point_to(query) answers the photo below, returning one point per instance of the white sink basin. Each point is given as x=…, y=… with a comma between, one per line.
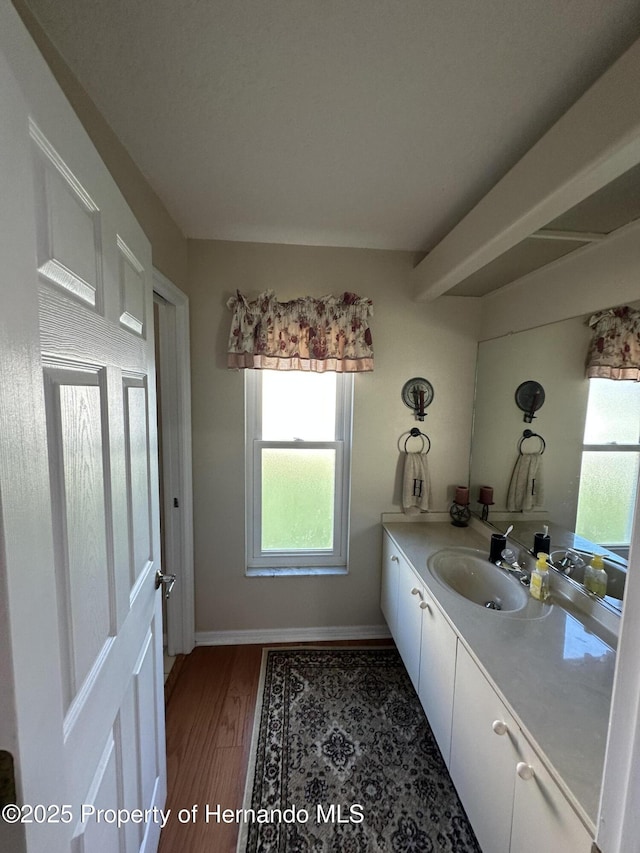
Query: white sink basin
x=469, y=573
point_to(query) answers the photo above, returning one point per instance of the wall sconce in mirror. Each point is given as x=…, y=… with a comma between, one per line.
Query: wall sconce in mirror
x=529, y=398
x=417, y=394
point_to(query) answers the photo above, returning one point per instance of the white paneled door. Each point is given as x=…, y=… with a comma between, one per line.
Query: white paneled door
x=80, y=620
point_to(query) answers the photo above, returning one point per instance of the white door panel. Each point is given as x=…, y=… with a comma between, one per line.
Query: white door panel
x=78, y=475
x=67, y=225
x=136, y=409
x=133, y=286
x=100, y=837
x=84, y=571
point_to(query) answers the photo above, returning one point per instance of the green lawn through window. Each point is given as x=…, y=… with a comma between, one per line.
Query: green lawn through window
x=607, y=496
x=297, y=499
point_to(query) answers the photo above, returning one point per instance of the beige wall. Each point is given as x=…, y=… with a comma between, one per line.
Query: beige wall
x=168, y=244
x=437, y=341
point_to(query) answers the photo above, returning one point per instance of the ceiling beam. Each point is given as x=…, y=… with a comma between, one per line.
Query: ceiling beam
x=595, y=141
x=571, y=236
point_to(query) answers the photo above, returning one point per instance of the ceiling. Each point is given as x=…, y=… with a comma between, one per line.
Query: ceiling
x=365, y=123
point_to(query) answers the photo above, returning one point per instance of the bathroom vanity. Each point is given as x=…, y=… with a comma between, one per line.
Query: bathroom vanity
x=518, y=699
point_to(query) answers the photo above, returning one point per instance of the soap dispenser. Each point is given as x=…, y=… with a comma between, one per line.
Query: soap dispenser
x=539, y=586
x=595, y=577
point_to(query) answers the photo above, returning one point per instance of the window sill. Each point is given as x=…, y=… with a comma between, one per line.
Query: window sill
x=290, y=571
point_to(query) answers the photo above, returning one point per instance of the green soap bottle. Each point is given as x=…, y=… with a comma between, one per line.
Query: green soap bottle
x=595, y=577
x=539, y=586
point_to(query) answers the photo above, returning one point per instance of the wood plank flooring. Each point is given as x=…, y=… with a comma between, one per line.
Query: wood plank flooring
x=210, y=714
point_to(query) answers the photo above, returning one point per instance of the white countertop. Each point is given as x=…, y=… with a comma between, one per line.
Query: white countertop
x=554, y=674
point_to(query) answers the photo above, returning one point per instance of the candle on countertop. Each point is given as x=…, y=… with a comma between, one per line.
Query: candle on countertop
x=486, y=495
x=462, y=495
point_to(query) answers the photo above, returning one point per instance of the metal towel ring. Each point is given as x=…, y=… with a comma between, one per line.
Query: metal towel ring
x=530, y=434
x=414, y=433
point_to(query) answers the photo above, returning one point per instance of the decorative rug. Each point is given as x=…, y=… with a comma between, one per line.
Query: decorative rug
x=343, y=761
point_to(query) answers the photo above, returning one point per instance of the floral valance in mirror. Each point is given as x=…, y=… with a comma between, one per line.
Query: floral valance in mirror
x=614, y=352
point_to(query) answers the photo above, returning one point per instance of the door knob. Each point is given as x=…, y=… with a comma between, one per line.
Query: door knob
x=165, y=580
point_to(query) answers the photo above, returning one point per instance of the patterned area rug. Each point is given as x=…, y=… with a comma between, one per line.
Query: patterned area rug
x=343, y=761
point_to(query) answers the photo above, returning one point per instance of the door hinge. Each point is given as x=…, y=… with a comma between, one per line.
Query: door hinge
x=7, y=779
x=176, y=503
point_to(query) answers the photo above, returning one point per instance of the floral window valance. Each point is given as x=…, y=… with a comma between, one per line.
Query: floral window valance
x=614, y=352
x=330, y=333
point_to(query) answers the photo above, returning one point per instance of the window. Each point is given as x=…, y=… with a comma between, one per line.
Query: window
x=298, y=435
x=610, y=461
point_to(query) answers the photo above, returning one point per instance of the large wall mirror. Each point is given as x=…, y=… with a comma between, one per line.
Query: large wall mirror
x=604, y=461
x=572, y=186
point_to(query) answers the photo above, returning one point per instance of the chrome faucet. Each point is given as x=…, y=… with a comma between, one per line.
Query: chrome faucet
x=568, y=563
x=510, y=563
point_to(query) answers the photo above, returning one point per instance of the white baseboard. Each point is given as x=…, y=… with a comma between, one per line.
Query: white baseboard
x=292, y=635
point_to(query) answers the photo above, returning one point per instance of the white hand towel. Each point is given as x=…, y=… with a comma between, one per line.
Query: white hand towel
x=416, y=484
x=526, y=489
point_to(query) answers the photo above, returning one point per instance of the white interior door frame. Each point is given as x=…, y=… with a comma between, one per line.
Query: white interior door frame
x=619, y=818
x=175, y=416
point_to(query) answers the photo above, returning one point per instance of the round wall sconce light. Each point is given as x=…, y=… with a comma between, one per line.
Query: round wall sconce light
x=417, y=394
x=529, y=398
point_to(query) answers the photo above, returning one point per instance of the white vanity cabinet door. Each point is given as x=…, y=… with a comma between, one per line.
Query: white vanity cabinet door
x=389, y=583
x=409, y=619
x=484, y=754
x=542, y=817
x=513, y=803
x=437, y=674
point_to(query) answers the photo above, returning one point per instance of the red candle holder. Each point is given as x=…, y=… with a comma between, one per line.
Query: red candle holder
x=459, y=511
x=462, y=496
x=486, y=499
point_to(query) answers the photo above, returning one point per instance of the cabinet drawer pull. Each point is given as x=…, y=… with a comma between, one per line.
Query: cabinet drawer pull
x=416, y=591
x=499, y=727
x=424, y=606
x=394, y=559
x=525, y=771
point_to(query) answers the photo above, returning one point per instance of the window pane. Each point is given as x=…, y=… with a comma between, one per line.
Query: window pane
x=613, y=412
x=607, y=496
x=298, y=405
x=297, y=499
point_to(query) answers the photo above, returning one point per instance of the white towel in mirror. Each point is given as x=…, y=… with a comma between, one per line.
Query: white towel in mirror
x=526, y=489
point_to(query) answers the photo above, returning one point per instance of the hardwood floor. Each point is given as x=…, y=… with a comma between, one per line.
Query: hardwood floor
x=210, y=714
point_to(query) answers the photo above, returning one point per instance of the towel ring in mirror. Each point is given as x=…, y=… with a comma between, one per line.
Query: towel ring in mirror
x=530, y=434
